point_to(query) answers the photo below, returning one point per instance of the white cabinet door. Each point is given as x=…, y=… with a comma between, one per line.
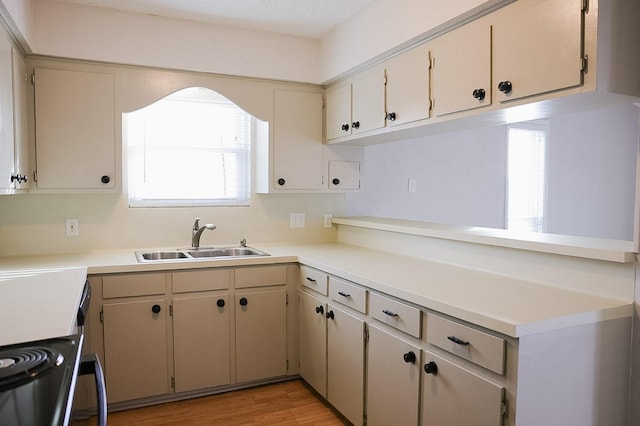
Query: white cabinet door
x=455, y=396
x=407, y=88
x=344, y=175
x=345, y=363
x=201, y=342
x=367, y=101
x=75, y=130
x=135, y=349
x=297, y=145
x=20, y=122
x=7, y=153
x=338, y=112
x=537, y=47
x=261, y=335
x=461, y=73
x=393, y=380
x=313, y=342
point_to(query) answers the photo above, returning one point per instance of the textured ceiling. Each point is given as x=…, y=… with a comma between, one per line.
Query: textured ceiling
x=306, y=18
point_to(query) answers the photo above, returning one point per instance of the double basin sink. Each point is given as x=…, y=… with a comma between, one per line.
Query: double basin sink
x=197, y=254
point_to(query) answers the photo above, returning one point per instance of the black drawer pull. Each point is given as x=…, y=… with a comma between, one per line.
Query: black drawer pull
x=343, y=294
x=330, y=315
x=311, y=280
x=454, y=339
x=390, y=313
x=319, y=310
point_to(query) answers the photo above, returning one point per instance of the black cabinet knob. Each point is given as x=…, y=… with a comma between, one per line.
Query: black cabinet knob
x=345, y=127
x=505, y=87
x=330, y=315
x=355, y=125
x=319, y=310
x=391, y=116
x=479, y=94
x=281, y=181
x=220, y=303
x=156, y=309
x=105, y=179
x=243, y=301
x=335, y=181
x=409, y=357
x=431, y=368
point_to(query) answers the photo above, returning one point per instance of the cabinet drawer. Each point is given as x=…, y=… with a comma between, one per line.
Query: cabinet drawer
x=262, y=276
x=348, y=294
x=397, y=314
x=201, y=280
x=476, y=346
x=133, y=285
x=314, y=279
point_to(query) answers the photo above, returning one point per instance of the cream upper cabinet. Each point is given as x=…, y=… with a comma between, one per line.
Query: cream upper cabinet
x=7, y=141
x=297, y=147
x=537, y=47
x=407, y=86
x=356, y=106
x=461, y=69
x=75, y=130
x=21, y=176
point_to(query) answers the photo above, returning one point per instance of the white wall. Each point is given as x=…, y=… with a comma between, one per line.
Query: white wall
x=20, y=18
x=460, y=176
x=82, y=32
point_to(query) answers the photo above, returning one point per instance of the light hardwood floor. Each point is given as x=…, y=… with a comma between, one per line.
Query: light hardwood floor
x=287, y=403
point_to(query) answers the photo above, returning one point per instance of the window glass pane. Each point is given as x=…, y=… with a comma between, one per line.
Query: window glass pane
x=526, y=177
x=190, y=148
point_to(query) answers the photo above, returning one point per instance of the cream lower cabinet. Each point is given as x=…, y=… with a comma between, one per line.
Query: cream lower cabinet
x=201, y=339
x=455, y=396
x=261, y=335
x=345, y=363
x=393, y=380
x=313, y=341
x=136, y=349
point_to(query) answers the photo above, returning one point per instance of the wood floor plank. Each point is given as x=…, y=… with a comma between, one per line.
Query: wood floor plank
x=289, y=403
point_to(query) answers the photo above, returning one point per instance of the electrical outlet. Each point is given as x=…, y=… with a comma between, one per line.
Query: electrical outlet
x=327, y=220
x=72, y=227
x=411, y=186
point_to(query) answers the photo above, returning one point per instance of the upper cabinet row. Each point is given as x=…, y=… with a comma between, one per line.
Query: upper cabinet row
x=527, y=51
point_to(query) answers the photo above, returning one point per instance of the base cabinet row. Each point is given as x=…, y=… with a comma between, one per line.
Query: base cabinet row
x=178, y=342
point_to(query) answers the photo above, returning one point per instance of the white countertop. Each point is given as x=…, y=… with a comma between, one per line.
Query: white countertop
x=39, y=303
x=508, y=305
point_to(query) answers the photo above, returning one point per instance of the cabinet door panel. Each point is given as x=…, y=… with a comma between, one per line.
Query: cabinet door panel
x=20, y=122
x=135, y=343
x=537, y=47
x=201, y=342
x=462, y=65
x=367, y=101
x=261, y=335
x=297, y=156
x=345, y=364
x=75, y=129
x=455, y=396
x=7, y=159
x=313, y=342
x=338, y=112
x=408, y=86
x=393, y=384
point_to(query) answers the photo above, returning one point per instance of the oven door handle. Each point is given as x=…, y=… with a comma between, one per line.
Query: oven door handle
x=90, y=365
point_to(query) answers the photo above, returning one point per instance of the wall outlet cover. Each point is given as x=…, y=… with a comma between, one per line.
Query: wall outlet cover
x=296, y=220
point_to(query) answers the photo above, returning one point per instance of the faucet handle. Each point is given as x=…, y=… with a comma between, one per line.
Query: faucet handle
x=196, y=224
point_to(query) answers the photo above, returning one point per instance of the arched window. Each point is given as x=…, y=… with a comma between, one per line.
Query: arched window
x=190, y=148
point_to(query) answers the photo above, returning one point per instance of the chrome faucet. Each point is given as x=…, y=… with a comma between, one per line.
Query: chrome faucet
x=197, y=232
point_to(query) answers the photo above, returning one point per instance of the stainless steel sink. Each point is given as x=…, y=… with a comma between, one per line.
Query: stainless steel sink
x=197, y=254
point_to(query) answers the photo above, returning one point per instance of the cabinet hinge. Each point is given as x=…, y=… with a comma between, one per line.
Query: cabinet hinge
x=585, y=6
x=102, y=316
x=432, y=62
x=287, y=365
x=365, y=335
x=504, y=407
x=364, y=419
x=33, y=78
x=385, y=80
x=170, y=310
x=584, y=64
x=35, y=175
x=287, y=298
x=173, y=383
x=432, y=104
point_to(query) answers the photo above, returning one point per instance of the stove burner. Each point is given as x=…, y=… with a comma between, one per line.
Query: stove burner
x=21, y=365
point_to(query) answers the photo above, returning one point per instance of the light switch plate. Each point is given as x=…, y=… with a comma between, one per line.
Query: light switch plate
x=72, y=227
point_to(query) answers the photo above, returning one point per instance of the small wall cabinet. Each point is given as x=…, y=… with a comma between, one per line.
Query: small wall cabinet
x=75, y=130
